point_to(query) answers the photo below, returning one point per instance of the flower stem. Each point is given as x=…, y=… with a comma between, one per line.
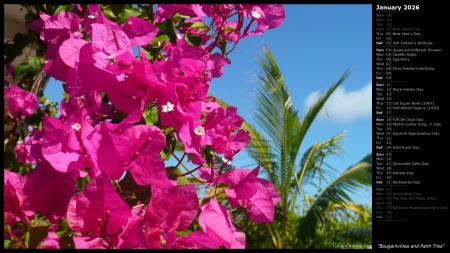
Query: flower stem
x=7, y=230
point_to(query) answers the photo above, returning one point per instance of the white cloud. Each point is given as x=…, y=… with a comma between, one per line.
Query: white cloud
x=345, y=106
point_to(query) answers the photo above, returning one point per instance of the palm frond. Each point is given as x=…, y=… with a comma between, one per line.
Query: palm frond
x=278, y=118
x=312, y=160
x=314, y=110
x=356, y=176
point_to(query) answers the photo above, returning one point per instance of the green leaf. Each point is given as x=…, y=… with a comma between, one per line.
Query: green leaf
x=30, y=17
x=44, y=100
x=61, y=8
x=171, y=143
x=63, y=228
x=11, y=51
x=53, y=112
x=13, y=246
x=193, y=39
x=117, y=8
x=35, y=119
x=34, y=64
x=151, y=116
x=165, y=155
x=64, y=233
x=180, y=18
x=208, y=155
x=21, y=40
x=40, y=52
x=36, y=236
x=172, y=173
x=168, y=28
x=66, y=241
x=20, y=69
x=159, y=38
x=109, y=14
x=10, y=161
x=6, y=243
x=198, y=25
x=42, y=48
x=223, y=45
x=178, y=15
x=125, y=13
x=229, y=29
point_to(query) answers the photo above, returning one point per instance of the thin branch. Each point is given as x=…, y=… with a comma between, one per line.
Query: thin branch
x=6, y=228
x=184, y=166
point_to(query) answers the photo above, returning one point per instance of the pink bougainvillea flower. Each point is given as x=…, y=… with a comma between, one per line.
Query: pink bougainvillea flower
x=133, y=236
x=59, y=28
x=217, y=10
x=236, y=143
x=195, y=240
x=59, y=70
x=78, y=7
x=19, y=102
x=163, y=11
x=230, y=30
x=217, y=130
x=169, y=210
x=38, y=24
x=139, y=31
x=22, y=154
x=218, y=127
x=209, y=104
x=215, y=221
x=216, y=63
x=62, y=145
x=92, y=101
x=207, y=174
x=242, y=182
x=98, y=214
x=108, y=41
x=181, y=115
x=267, y=16
x=143, y=158
x=42, y=181
x=134, y=148
x=69, y=51
x=173, y=209
x=33, y=144
x=138, y=87
x=260, y=198
x=89, y=76
x=185, y=61
x=94, y=14
x=13, y=197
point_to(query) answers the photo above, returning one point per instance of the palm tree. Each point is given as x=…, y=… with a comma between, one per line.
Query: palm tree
x=301, y=220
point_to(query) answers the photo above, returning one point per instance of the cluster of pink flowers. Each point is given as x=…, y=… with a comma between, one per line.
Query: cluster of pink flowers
x=94, y=57
x=18, y=103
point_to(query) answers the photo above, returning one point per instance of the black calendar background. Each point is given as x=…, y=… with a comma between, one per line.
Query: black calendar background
x=413, y=226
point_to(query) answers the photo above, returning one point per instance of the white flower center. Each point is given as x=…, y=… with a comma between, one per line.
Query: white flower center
x=168, y=107
x=93, y=15
x=76, y=126
x=256, y=14
x=199, y=130
x=112, y=59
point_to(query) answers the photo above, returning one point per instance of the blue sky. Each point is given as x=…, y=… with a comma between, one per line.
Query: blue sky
x=313, y=47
